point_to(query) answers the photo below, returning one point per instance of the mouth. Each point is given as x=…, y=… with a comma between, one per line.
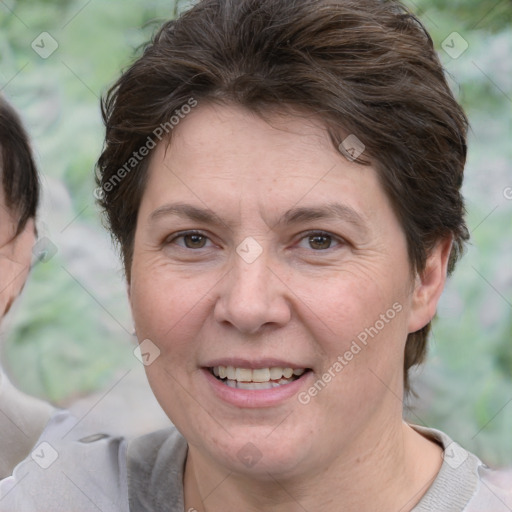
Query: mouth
x=256, y=378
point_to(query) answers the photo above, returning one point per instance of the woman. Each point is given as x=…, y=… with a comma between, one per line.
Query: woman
x=283, y=179
x=21, y=417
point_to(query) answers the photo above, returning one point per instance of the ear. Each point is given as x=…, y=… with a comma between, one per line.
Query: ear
x=129, y=294
x=429, y=285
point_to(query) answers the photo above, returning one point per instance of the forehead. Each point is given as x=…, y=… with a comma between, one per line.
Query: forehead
x=210, y=122
x=230, y=160
x=232, y=143
x=8, y=222
x=4, y=211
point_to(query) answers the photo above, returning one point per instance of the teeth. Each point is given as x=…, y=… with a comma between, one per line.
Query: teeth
x=261, y=375
x=243, y=375
x=256, y=385
x=253, y=385
x=287, y=373
x=258, y=375
x=276, y=373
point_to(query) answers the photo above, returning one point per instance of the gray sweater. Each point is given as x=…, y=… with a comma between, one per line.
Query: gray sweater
x=72, y=470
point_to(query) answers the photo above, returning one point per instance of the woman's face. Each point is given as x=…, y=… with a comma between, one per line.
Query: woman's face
x=15, y=255
x=259, y=250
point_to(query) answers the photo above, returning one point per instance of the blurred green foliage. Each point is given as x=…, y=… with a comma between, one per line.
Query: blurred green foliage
x=493, y=16
x=466, y=385
x=72, y=329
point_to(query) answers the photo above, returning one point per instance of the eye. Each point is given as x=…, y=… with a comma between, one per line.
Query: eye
x=316, y=240
x=189, y=240
x=320, y=240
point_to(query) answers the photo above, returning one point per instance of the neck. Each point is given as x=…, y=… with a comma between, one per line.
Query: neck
x=393, y=472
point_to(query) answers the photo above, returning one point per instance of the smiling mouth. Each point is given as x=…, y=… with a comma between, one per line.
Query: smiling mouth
x=256, y=378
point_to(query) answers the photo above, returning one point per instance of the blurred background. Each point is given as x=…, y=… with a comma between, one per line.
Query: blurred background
x=69, y=339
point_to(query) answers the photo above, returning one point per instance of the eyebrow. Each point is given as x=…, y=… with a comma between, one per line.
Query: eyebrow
x=292, y=216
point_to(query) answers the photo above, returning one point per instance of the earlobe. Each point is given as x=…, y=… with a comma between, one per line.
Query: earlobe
x=128, y=291
x=429, y=285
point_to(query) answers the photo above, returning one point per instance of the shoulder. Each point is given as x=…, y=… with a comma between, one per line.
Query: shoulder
x=69, y=469
x=155, y=466
x=494, y=491
x=464, y=483
x=22, y=420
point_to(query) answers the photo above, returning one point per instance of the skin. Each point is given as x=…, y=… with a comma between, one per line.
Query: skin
x=299, y=301
x=15, y=255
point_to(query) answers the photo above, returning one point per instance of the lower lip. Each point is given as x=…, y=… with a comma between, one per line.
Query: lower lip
x=253, y=398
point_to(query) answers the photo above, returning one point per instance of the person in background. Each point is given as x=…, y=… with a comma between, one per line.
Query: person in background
x=22, y=418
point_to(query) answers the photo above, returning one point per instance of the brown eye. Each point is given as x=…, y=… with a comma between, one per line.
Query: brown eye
x=189, y=240
x=320, y=241
x=194, y=241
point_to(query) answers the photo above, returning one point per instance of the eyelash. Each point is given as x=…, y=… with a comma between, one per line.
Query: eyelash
x=308, y=234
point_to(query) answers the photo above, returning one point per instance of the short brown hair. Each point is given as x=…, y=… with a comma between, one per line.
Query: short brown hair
x=364, y=67
x=18, y=172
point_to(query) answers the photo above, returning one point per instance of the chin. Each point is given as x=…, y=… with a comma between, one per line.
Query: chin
x=259, y=452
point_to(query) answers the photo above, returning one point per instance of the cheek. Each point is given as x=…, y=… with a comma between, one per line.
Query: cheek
x=167, y=313
x=360, y=327
x=166, y=308
x=346, y=304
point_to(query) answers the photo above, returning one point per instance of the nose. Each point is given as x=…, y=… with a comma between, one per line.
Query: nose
x=253, y=297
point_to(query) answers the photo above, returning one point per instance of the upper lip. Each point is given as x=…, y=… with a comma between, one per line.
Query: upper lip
x=238, y=362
